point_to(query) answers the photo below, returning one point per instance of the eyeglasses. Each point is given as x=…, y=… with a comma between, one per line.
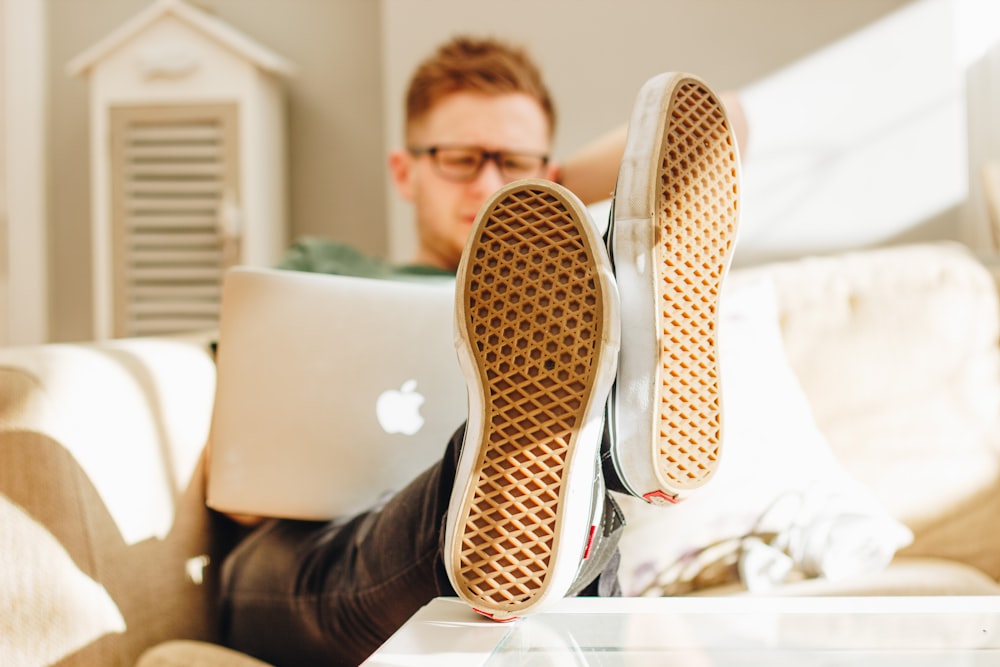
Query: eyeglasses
x=463, y=163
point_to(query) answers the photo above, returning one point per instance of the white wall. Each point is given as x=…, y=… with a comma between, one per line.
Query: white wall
x=865, y=141
x=4, y=246
x=24, y=316
x=979, y=30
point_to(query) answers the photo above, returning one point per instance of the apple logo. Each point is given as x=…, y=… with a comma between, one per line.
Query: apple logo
x=398, y=410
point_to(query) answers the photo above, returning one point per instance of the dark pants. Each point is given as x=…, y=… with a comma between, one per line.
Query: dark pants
x=330, y=593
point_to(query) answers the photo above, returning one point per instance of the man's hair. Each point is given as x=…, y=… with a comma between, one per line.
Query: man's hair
x=468, y=64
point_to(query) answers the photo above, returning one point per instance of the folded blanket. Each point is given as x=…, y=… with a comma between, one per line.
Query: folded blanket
x=819, y=533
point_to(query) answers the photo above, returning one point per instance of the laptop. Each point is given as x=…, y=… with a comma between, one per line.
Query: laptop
x=332, y=391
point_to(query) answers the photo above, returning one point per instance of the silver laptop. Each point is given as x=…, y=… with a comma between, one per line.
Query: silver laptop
x=332, y=391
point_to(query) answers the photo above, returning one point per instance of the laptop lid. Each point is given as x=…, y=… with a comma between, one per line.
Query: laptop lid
x=331, y=391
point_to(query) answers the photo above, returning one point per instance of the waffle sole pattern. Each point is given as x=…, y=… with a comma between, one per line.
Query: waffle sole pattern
x=691, y=188
x=532, y=319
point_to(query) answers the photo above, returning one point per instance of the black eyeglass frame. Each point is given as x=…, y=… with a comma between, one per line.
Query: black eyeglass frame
x=485, y=156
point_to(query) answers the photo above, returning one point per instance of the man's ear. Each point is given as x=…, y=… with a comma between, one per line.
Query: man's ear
x=401, y=169
x=553, y=171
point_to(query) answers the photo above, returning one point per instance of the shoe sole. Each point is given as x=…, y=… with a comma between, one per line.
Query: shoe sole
x=674, y=228
x=537, y=336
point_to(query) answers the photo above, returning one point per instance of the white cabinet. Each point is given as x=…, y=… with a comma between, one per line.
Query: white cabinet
x=187, y=166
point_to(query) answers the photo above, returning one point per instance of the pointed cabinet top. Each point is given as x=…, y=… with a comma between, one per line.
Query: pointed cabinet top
x=195, y=19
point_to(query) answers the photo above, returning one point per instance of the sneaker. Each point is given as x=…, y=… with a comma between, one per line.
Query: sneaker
x=671, y=237
x=537, y=332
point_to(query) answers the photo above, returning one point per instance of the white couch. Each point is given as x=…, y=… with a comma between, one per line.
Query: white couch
x=885, y=361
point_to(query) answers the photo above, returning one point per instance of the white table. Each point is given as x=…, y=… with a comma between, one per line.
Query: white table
x=717, y=631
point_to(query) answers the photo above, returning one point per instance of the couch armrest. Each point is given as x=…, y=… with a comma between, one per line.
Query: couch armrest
x=106, y=547
x=181, y=653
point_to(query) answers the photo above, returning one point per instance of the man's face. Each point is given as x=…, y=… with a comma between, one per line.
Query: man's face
x=446, y=208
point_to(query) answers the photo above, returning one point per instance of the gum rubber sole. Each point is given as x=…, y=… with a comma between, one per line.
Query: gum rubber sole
x=691, y=185
x=533, y=302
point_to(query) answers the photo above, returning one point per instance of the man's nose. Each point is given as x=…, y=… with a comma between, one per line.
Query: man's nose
x=489, y=179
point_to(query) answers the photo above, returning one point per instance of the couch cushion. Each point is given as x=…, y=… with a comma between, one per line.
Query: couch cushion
x=896, y=349
x=777, y=480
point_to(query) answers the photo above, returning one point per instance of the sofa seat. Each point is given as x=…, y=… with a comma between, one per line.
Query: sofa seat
x=106, y=547
x=882, y=364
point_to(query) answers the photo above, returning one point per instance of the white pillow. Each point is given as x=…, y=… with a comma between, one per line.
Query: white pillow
x=777, y=479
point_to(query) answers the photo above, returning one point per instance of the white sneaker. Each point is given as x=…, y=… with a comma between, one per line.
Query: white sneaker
x=671, y=239
x=537, y=332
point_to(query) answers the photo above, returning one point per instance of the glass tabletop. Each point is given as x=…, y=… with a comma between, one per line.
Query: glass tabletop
x=710, y=631
x=773, y=632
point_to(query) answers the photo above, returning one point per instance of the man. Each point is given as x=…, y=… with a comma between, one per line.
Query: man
x=515, y=515
x=463, y=79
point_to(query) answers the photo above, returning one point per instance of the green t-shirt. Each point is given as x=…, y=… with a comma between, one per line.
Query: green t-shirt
x=318, y=255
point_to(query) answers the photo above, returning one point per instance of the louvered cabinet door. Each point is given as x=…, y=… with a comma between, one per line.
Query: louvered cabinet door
x=175, y=215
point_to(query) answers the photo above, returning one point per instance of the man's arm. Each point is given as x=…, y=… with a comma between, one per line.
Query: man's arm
x=591, y=172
